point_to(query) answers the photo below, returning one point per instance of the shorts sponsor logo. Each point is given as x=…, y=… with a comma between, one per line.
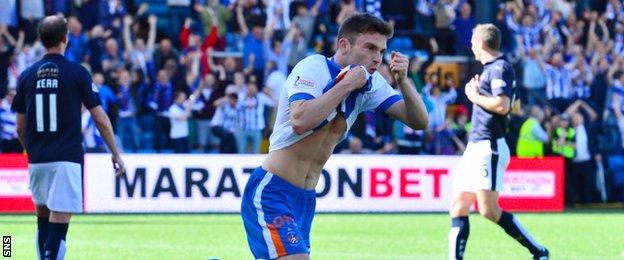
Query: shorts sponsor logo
x=304, y=83
x=293, y=238
x=283, y=220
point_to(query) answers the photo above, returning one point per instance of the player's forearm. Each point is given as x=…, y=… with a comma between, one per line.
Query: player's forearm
x=415, y=110
x=20, y=128
x=307, y=115
x=106, y=131
x=21, y=135
x=498, y=104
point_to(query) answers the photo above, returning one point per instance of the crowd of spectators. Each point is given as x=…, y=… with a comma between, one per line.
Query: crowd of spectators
x=205, y=76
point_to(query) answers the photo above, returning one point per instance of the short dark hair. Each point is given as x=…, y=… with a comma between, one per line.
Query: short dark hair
x=363, y=23
x=490, y=35
x=51, y=30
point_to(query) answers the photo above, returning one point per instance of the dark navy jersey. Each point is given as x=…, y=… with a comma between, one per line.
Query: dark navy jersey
x=497, y=79
x=50, y=94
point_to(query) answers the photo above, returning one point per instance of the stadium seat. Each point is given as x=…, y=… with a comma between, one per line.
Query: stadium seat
x=402, y=44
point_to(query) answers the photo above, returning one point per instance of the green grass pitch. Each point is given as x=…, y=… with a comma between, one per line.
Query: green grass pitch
x=570, y=235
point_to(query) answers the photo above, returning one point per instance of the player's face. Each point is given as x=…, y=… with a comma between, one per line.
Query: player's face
x=368, y=50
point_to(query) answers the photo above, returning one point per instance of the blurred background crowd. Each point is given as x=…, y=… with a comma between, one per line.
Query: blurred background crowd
x=205, y=76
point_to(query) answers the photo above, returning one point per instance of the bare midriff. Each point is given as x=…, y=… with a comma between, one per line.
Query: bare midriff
x=301, y=163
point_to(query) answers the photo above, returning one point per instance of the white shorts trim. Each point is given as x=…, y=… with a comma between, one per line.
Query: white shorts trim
x=482, y=166
x=57, y=185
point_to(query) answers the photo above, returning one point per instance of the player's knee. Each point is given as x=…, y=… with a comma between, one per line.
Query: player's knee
x=458, y=208
x=491, y=213
x=60, y=217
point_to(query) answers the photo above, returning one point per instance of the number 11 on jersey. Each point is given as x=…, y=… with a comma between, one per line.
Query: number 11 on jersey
x=39, y=106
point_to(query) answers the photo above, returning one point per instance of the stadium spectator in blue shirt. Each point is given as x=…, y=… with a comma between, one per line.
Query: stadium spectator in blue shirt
x=112, y=57
x=111, y=10
x=127, y=126
x=462, y=26
x=145, y=114
x=77, y=46
x=253, y=50
x=106, y=94
x=533, y=77
x=162, y=100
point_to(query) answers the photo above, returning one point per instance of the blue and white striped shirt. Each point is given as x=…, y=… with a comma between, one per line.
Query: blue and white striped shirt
x=530, y=34
x=228, y=117
x=618, y=44
x=252, y=111
x=582, y=90
x=7, y=122
x=558, y=82
x=440, y=102
x=582, y=77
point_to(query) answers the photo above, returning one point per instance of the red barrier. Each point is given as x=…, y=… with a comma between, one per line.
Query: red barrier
x=545, y=167
x=15, y=197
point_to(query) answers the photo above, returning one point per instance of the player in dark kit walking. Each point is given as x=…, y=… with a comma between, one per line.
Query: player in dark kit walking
x=480, y=172
x=48, y=104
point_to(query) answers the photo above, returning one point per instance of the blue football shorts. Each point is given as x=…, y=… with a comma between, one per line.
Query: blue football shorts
x=277, y=216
